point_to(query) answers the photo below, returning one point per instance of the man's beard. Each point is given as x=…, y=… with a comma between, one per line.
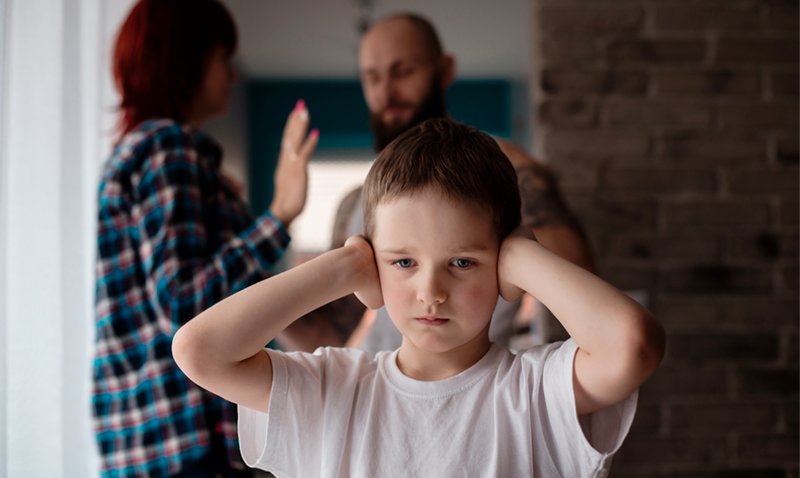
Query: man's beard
x=433, y=106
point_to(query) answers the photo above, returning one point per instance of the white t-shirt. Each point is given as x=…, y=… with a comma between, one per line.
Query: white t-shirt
x=339, y=413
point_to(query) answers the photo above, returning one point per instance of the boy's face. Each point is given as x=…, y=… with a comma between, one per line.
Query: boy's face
x=437, y=261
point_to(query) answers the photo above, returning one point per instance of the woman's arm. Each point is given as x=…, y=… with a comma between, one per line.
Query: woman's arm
x=222, y=349
x=186, y=268
x=620, y=342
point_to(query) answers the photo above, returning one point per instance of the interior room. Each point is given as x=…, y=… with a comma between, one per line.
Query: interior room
x=670, y=126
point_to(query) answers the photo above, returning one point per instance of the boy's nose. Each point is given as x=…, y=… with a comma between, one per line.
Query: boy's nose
x=431, y=290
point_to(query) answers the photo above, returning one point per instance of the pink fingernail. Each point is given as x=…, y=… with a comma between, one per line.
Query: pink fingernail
x=300, y=105
x=314, y=133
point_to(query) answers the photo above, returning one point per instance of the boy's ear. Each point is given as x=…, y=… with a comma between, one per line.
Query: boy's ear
x=447, y=70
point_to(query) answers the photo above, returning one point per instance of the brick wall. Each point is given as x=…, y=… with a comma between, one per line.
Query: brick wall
x=673, y=127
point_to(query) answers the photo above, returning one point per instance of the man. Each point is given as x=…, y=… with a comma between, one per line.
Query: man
x=405, y=74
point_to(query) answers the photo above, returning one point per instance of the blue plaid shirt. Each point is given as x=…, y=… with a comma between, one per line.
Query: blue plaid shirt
x=173, y=239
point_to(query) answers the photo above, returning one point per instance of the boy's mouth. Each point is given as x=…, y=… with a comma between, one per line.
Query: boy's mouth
x=434, y=321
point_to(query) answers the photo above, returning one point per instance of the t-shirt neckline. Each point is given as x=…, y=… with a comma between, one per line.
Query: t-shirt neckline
x=440, y=388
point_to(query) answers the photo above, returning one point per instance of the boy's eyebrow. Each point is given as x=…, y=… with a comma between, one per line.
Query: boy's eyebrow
x=457, y=250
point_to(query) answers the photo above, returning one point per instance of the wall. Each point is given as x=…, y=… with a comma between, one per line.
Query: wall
x=673, y=127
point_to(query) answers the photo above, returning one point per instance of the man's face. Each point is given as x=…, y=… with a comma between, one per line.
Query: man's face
x=401, y=83
x=437, y=262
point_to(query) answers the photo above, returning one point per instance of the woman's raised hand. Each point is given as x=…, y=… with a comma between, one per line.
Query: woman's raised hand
x=291, y=175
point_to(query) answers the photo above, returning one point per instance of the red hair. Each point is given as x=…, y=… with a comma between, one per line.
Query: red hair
x=161, y=53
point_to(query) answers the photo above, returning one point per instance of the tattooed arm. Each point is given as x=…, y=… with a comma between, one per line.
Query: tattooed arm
x=544, y=211
x=333, y=323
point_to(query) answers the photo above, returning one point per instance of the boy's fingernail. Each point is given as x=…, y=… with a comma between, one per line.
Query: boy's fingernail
x=314, y=133
x=300, y=105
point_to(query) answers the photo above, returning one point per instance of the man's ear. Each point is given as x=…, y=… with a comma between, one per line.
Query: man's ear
x=447, y=68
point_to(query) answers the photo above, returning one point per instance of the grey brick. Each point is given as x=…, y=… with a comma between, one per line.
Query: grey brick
x=702, y=347
x=769, y=448
x=684, y=380
x=655, y=51
x=786, y=150
x=679, y=314
x=789, y=213
x=761, y=311
x=590, y=19
x=568, y=112
x=759, y=115
x=644, y=113
x=597, y=144
x=767, y=246
x=567, y=49
x=791, y=414
x=658, y=247
x=601, y=214
x=659, y=181
x=785, y=83
x=697, y=18
x=689, y=146
x=716, y=216
x=783, y=16
x=647, y=419
x=782, y=181
x=792, y=352
x=707, y=82
x=790, y=281
x=724, y=417
x=721, y=279
x=757, y=50
x=627, y=277
x=672, y=450
x=767, y=382
x=607, y=81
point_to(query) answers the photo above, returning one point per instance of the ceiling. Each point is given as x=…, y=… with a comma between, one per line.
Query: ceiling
x=319, y=39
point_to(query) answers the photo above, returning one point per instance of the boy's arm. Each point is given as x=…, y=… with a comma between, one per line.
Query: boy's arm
x=619, y=342
x=222, y=349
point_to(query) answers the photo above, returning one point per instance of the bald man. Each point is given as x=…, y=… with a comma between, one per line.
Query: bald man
x=405, y=75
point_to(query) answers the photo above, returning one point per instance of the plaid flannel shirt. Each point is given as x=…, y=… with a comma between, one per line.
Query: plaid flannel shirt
x=173, y=239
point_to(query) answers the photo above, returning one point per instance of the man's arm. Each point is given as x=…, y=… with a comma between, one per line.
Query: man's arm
x=544, y=211
x=620, y=343
x=222, y=349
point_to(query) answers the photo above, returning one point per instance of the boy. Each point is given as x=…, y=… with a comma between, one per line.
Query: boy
x=447, y=402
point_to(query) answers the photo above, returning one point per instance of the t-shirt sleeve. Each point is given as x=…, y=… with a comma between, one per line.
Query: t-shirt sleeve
x=578, y=446
x=309, y=410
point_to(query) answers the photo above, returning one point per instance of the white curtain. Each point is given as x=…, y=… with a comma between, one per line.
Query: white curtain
x=56, y=115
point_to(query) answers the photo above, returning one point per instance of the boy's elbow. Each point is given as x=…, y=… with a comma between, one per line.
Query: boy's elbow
x=648, y=342
x=183, y=351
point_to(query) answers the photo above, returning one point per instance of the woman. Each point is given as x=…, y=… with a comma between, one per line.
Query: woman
x=174, y=237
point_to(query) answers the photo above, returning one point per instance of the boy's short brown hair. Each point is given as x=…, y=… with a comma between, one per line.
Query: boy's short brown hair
x=453, y=159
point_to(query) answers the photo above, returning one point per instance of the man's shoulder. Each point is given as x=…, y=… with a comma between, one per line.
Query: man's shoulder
x=345, y=214
x=519, y=157
x=352, y=198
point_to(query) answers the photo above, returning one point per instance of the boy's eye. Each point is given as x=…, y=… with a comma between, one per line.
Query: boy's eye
x=462, y=263
x=404, y=263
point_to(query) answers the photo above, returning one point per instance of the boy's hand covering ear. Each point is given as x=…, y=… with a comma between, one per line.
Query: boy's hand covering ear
x=369, y=285
x=505, y=263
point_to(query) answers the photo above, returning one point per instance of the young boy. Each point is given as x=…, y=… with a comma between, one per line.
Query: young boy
x=440, y=205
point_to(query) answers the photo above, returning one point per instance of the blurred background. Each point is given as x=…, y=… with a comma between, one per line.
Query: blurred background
x=671, y=124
